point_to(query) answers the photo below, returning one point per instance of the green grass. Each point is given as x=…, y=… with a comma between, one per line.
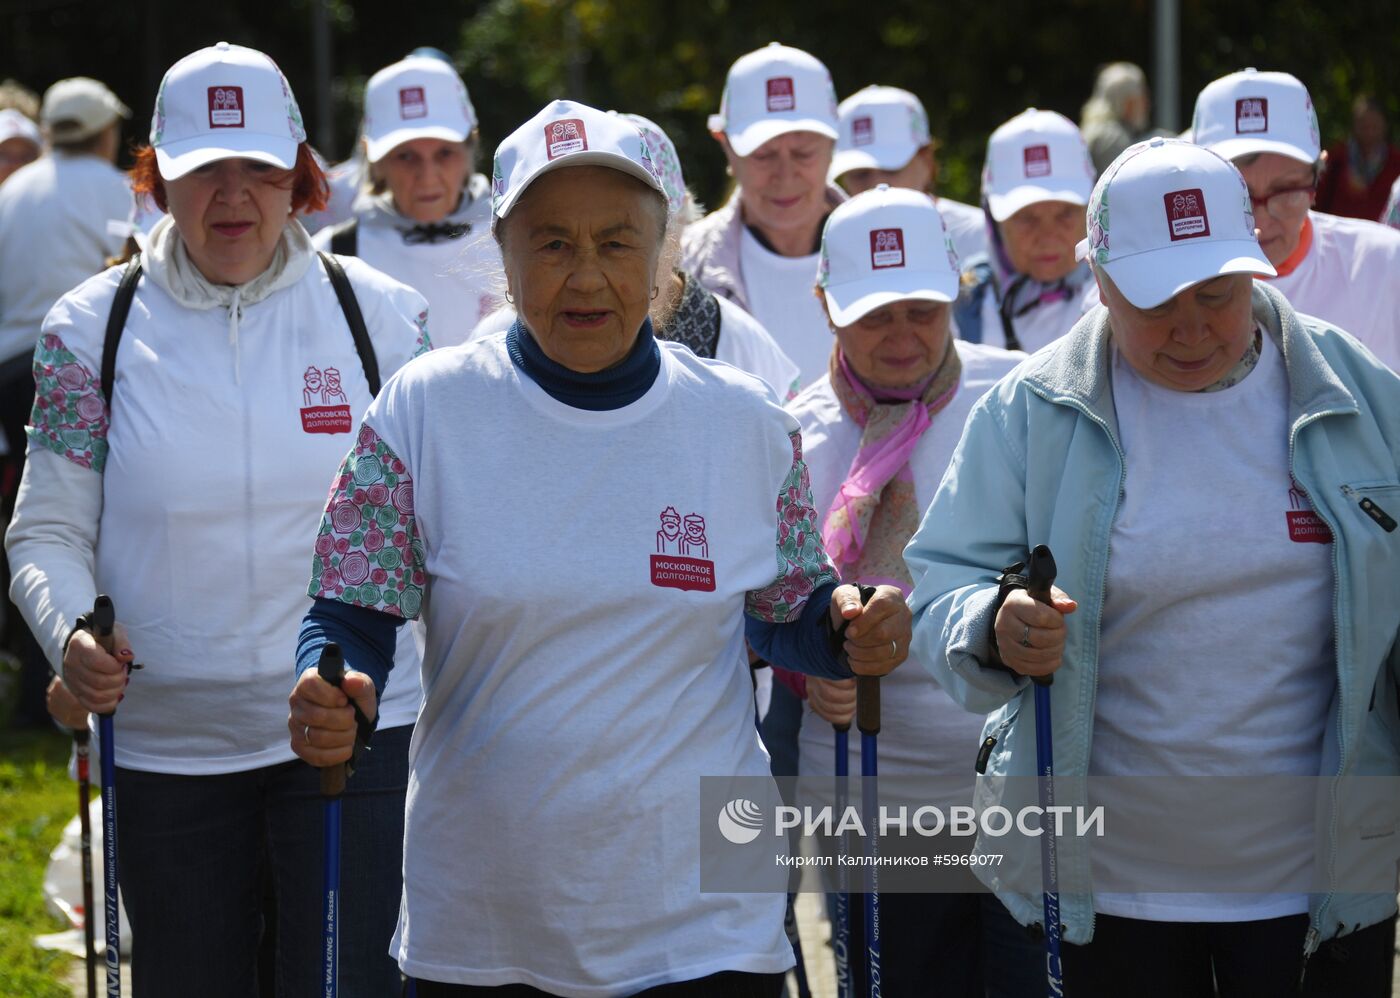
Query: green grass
x=36, y=801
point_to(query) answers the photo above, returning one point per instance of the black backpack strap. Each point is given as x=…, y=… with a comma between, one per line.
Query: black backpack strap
x=116, y=325
x=356, y=320
x=345, y=238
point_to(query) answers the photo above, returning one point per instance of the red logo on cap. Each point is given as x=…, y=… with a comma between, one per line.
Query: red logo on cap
x=1037, y=161
x=1186, y=214
x=781, y=96
x=564, y=137
x=1251, y=115
x=225, y=107
x=413, y=103
x=862, y=131
x=886, y=248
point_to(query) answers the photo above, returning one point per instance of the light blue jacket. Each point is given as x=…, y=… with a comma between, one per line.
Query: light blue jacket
x=1040, y=461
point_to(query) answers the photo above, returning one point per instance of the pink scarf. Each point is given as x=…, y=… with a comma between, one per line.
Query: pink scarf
x=875, y=511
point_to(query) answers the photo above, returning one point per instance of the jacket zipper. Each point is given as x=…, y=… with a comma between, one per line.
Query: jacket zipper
x=1371, y=509
x=1313, y=939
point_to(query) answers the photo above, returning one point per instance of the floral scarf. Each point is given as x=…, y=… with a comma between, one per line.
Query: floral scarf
x=875, y=511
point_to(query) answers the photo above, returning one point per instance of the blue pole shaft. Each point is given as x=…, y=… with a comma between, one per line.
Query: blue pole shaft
x=869, y=797
x=1045, y=768
x=330, y=908
x=111, y=907
x=842, y=945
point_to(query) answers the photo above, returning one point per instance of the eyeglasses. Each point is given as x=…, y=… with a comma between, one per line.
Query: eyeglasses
x=1287, y=203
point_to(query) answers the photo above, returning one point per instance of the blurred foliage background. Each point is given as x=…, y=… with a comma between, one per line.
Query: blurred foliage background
x=974, y=63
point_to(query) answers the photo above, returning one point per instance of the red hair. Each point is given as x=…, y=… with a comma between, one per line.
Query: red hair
x=306, y=180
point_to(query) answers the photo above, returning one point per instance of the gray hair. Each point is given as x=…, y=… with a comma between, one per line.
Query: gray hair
x=1117, y=83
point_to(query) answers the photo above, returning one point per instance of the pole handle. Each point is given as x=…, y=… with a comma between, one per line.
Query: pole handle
x=331, y=668
x=1040, y=576
x=104, y=623
x=868, y=704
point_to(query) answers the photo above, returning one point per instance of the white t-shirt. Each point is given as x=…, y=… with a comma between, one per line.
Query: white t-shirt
x=742, y=342
x=584, y=662
x=54, y=234
x=1040, y=326
x=923, y=732
x=782, y=297
x=455, y=275
x=967, y=225
x=212, y=482
x=1212, y=545
x=1351, y=279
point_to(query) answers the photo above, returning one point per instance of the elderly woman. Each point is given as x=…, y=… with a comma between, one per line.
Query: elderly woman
x=1117, y=113
x=583, y=666
x=1030, y=289
x=20, y=142
x=777, y=126
x=1216, y=476
x=878, y=430
x=180, y=487
x=1342, y=270
x=425, y=219
x=885, y=140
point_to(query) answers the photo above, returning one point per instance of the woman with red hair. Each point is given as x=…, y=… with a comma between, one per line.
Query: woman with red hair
x=176, y=459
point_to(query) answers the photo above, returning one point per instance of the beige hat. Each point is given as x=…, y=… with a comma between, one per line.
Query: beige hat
x=79, y=107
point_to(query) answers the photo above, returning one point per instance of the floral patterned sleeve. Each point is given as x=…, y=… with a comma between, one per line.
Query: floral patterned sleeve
x=425, y=342
x=368, y=552
x=69, y=415
x=803, y=564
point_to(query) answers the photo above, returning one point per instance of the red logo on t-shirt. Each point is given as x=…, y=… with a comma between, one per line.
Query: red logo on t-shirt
x=564, y=137
x=225, y=107
x=1251, y=115
x=862, y=131
x=1186, y=214
x=1037, y=161
x=682, y=559
x=781, y=95
x=325, y=408
x=1305, y=526
x=413, y=102
x=886, y=248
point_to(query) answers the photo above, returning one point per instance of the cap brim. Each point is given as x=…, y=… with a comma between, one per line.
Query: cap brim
x=1149, y=278
x=175, y=159
x=853, y=300
x=1235, y=148
x=747, y=140
x=615, y=161
x=378, y=148
x=871, y=158
x=1003, y=206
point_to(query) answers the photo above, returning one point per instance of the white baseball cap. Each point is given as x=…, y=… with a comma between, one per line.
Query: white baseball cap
x=1252, y=112
x=885, y=245
x=420, y=97
x=773, y=91
x=1036, y=156
x=881, y=129
x=566, y=133
x=15, y=125
x=78, y=107
x=1181, y=214
x=224, y=102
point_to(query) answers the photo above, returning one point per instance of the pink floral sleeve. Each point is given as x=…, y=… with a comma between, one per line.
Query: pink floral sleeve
x=425, y=342
x=368, y=552
x=803, y=564
x=69, y=415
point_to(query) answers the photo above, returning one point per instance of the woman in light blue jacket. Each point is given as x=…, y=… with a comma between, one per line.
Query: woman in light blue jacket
x=1217, y=477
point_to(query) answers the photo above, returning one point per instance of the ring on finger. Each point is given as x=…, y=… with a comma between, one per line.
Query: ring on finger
x=894, y=649
x=1026, y=636
x=306, y=734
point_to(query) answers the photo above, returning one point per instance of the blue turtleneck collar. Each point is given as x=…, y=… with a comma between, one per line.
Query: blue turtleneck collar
x=612, y=388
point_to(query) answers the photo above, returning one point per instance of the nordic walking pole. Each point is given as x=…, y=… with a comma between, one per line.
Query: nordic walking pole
x=799, y=970
x=81, y=739
x=332, y=669
x=841, y=948
x=104, y=620
x=1040, y=576
x=868, y=722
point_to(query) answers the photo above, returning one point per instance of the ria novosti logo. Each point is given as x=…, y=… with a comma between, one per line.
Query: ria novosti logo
x=740, y=821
